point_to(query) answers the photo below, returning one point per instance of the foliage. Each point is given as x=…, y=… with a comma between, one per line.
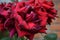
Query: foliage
x=5, y=36
x=12, y=0
x=51, y=36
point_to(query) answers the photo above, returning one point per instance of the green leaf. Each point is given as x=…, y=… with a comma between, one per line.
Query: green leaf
x=12, y=0
x=6, y=33
x=1, y=35
x=22, y=38
x=14, y=37
x=6, y=38
x=17, y=38
x=51, y=36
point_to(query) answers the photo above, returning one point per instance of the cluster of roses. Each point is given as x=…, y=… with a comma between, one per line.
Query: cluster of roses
x=26, y=18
